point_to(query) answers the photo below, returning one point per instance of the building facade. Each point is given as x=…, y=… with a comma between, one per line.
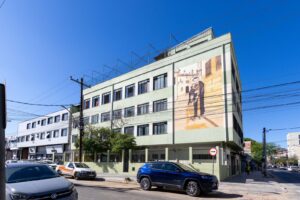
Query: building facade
x=46, y=137
x=293, y=143
x=177, y=108
x=11, y=148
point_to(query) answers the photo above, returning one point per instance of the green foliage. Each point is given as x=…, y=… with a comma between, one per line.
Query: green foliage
x=122, y=141
x=287, y=161
x=98, y=140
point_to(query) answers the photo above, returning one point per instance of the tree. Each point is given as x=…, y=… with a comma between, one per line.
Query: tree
x=95, y=140
x=122, y=142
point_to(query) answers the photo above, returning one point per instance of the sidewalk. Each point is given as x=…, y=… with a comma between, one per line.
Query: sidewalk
x=121, y=178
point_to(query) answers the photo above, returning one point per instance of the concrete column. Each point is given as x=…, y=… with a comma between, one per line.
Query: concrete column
x=146, y=154
x=191, y=155
x=64, y=157
x=166, y=154
x=123, y=156
x=95, y=157
x=129, y=156
x=83, y=156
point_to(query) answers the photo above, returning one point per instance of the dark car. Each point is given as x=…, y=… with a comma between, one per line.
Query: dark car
x=177, y=176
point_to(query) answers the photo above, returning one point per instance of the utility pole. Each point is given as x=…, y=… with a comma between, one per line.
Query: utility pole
x=264, y=167
x=2, y=140
x=81, y=124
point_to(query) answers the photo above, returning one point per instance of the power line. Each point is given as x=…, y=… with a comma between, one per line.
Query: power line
x=37, y=104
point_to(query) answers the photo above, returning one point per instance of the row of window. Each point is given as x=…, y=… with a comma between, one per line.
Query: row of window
x=44, y=135
x=142, y=109
x=49, y=120
x=159, y=82
x=143, y=130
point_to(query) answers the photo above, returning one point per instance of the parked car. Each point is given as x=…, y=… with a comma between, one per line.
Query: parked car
x=177, y=176
x=36, y=181
x=11, y=161
x=76, y=170
x=293, y=168
x=49, y=163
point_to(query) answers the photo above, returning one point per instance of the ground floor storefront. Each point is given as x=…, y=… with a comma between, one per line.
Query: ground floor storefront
x=226, y=163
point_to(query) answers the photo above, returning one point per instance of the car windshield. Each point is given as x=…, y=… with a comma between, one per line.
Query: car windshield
x=81, y=165
x=186, y=168
x=28, y=173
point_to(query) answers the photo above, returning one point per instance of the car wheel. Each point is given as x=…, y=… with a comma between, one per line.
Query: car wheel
x=145, y=183
x=192, y=189
x=76, y=177
x=59, y=172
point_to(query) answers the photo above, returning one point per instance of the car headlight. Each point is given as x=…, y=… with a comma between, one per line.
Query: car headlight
x=19, y=196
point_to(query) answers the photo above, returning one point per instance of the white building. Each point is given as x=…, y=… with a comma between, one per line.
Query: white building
x=293, y=142
x=11, y=148
x=43, y=137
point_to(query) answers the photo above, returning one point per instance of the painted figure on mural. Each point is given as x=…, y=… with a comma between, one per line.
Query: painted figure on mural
x=196, y=97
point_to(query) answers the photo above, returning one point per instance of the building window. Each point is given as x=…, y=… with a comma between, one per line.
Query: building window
x=57, y=119
x=160, y=81
x=117, y=130
x=33, y=125
x=95, y=119
x=86, y=104
x=129, y=112
x=143, y=109
x=143, y=130
x=74, y=138
x=160, y=105
x=106, y=98
x=27, y=137
x=129, y=130
x=65, y=117
x=117, y=114
x=160, y=128
x=48, y=134
x=32, y=138
x=37, y=135
x=42, y=136
x=50, y=120
x=43, y=123
x=208, y=68
x=86, y=120
x=105, y=117
x=28, y=126
x=143, y=86
x=56, y=133
x=129, y=91
x=95, y=101
x=118, y=94
x=22, y=138
x=64, y=132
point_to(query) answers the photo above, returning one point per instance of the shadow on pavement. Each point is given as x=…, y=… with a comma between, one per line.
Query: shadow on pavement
x=255, y=176
x=106, y=188
x=215, y=194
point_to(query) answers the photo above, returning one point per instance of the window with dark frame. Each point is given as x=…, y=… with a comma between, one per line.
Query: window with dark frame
x=129, y=91
x=28, y=126
x=143, y=130
x=160, y=105
x=56, y=133
x=86, y=104
x=129, y=130
x=143, y=109
x=95, y=101
x=42, y=136
x=117, y=114
x=33, y=125
x=160, y=81
x=129, y=112
x=95, y=119
x=86, y=120
x=49, y=134
x=65, y=117
x=160, y=128
x=143, y=86
x=50, y=120
x=64, y=132
x=105, y=117
x=118, y=94
x=106, y=98
x=56, y=118
x=43, y=122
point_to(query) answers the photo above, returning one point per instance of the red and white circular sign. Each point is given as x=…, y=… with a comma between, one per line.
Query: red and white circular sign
x=213, y=151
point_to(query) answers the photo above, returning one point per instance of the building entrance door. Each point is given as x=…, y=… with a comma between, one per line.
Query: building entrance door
x=126, y=161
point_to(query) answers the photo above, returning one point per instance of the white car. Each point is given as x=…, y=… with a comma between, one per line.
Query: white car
x=293, y=168
x=76, y=170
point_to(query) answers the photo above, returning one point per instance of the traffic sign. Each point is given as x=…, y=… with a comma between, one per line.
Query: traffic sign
x=213, y=152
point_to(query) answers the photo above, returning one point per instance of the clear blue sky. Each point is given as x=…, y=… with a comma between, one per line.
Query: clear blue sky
x=42, y=43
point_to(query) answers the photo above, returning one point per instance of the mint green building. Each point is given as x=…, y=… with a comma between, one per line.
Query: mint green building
x=178, y=107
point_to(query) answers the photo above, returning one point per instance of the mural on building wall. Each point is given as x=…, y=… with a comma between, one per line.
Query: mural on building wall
x=198, y=95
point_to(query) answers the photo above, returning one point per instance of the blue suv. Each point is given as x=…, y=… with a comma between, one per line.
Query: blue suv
x=177, y=176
